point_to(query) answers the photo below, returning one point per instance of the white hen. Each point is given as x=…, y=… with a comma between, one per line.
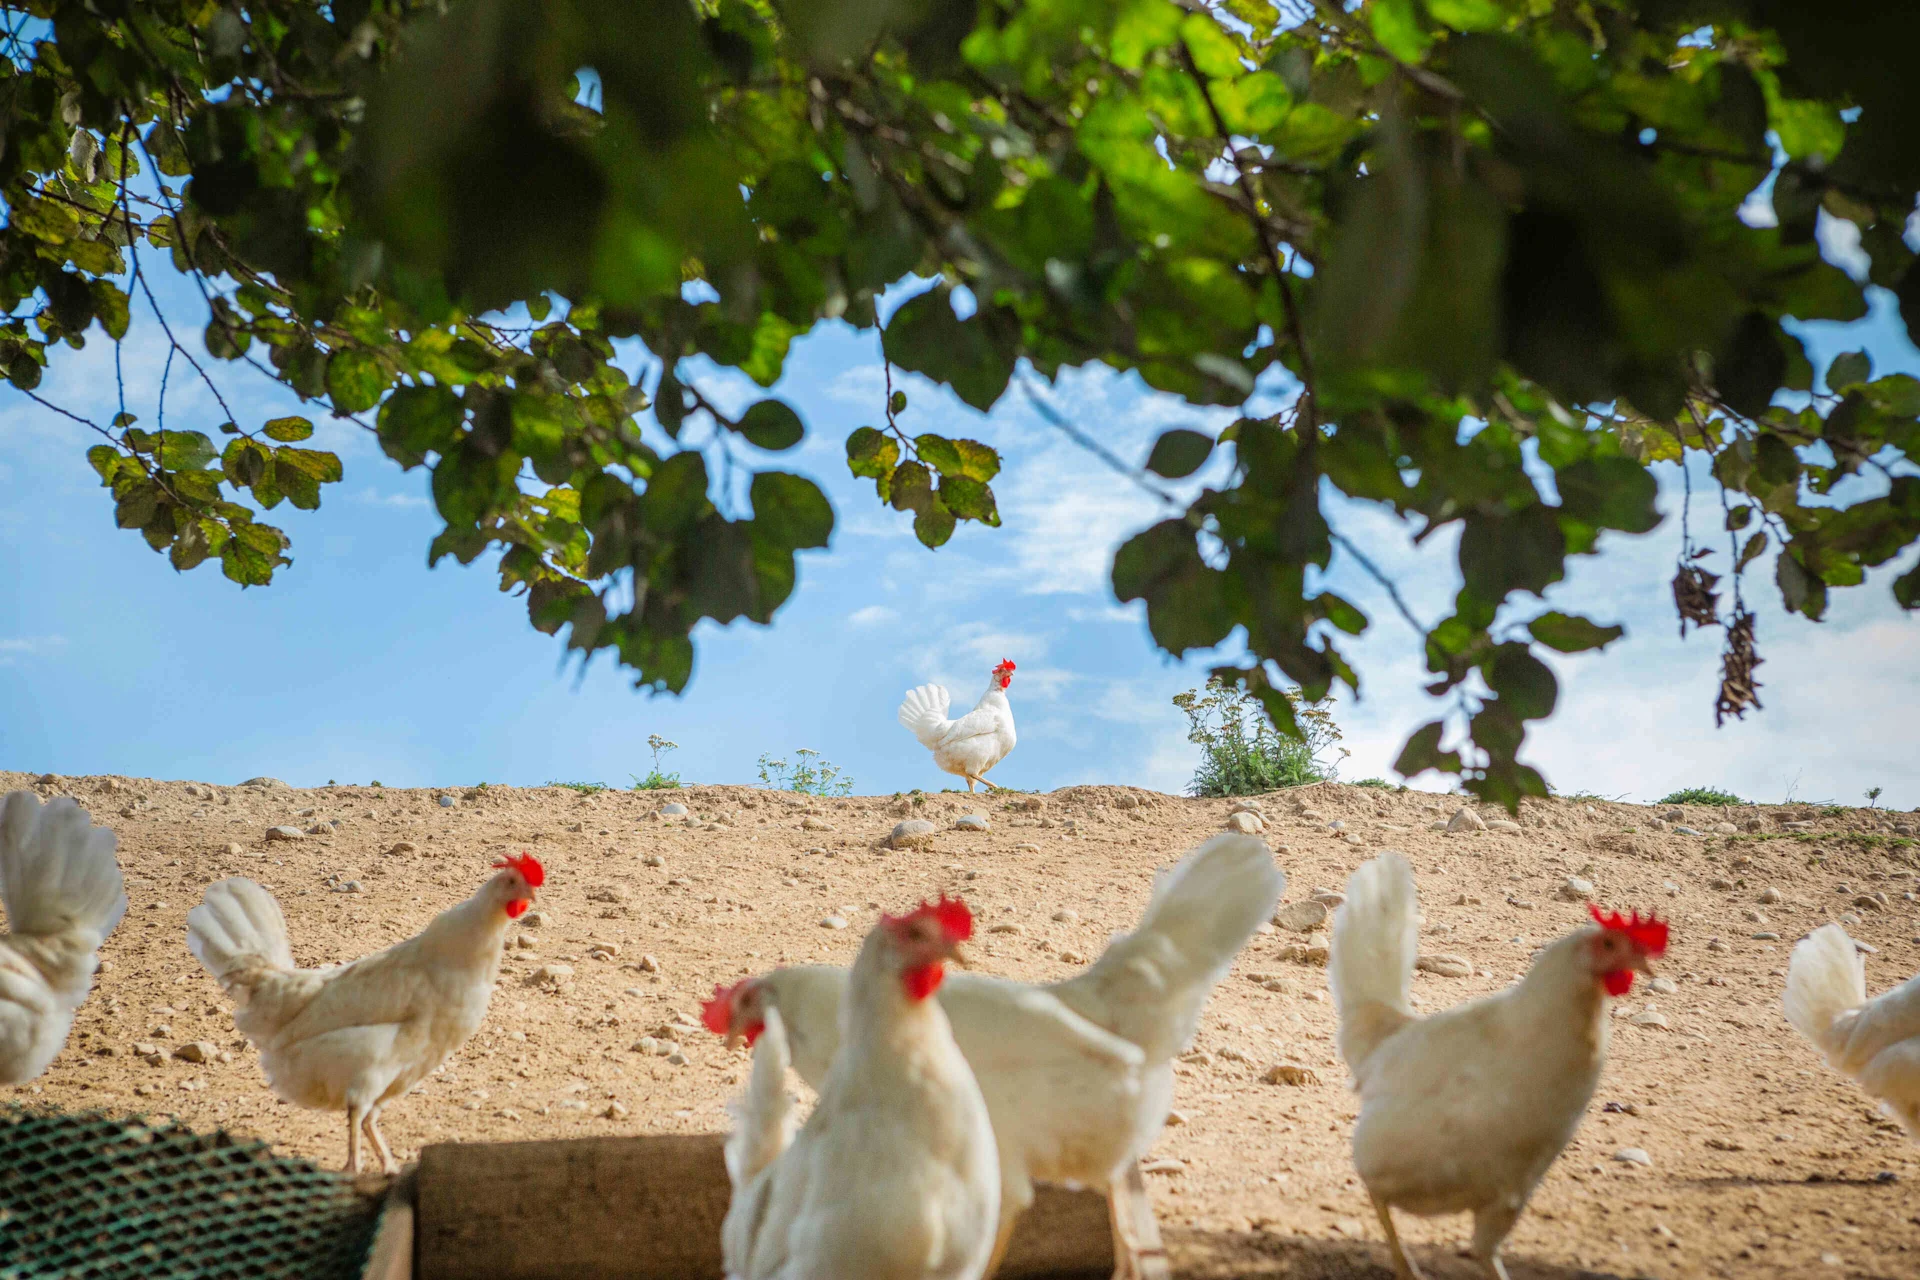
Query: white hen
x=974, y=743
x=1875, y=1043
x=1466, y=1109
x=62, y=890
x=357, y=1036
x=893, y=1176
x=1077, y=1075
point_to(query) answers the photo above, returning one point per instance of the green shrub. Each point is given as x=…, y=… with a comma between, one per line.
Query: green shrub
x=807, y=778
x=584, y=788
x=1379, y=784
x=657, y=779
x=1242, y=754
x=1702, y=795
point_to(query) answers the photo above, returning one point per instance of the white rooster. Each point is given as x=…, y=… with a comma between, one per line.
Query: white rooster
x=357, y=1036
x=1077, y=1075
x=63, y=895
x=894, y=1175
x=974, y=743
x=1463, y=1111
x=1876, y=1042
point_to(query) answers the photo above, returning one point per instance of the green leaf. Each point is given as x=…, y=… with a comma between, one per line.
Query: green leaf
x=938, y=452
x=968, y=499
x=1179, y=453
x=288, y=430
x=1848, y=369
x=1755, y=545
x=772, y=425
x=933, y=524
x=1213, y=50
x=925, y=336
x=676, y=494
x=977, y=461
x=1186, y=607
x=1570, y=633
x=355, y=380
x=791, y=509
x=1524, y=683
x=1397, y=26
x=323, y=467
x=1422, y=752
x=1738, y=518
x=109, y=308
x=1611, y=493
x=185, y=451
x=419, y=420
x=1468, y=15
x=873, y=454
x=897, y=402
x=911, y=488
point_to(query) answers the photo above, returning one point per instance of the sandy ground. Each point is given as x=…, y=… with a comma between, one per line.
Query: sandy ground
x=1764, y=1163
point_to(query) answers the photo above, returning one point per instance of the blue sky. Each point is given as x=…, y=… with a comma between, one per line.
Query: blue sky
x=359, y=663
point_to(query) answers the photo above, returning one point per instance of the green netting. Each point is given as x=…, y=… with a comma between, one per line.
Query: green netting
x=89, y=1196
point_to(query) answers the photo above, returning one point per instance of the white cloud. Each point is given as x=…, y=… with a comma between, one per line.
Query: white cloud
x=864, y=385
x=871, y=616
x=373, y=498
x=12, y=650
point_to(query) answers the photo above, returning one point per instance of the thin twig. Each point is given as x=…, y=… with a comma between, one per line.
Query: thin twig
x=1391, y=587
x=1098, y=450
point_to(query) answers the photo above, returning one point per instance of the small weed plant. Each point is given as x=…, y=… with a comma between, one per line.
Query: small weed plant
x=1381, y=784
x=814, y=775
x=1242, y=754
x=1702, y=795
x=657, y=779
x=584, y=788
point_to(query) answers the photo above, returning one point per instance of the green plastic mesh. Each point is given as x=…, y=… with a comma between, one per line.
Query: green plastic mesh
x=89, y=1196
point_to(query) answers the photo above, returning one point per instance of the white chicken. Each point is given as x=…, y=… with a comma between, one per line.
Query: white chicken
x=974, y=743
x=1465, y=1110
x=1876, y=1042
x=1077, y=1075
x=894, y=1175
x=62, y=891
x=356, y=1036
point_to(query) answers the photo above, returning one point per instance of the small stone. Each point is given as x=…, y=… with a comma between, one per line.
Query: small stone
x=648, y=964
x=1574, y=889
x=1467, y=900
x=1022, y=848
x=1674, y=815
x=1301, y=917
x=1663, y=986
x=604, y=951
x=1770, y=895
x=910, y=834
x=645, y=1044
x=347, y=886
x=285, y=833
x=1176, y=1118
x=234, y=850
x=1720, y=884
x=197, y=1051
x=533, y=920
x=1766, y=936
x=1437, y=826
x=1005, y=926
x=677, y=1059
x=614, y=1111
x=1337, y=825
x=403, y=846
x=1302, y=953
x=1328, y=898
x=265, y=783
x=1633, y=1155
x=1683, y=831
x=1167, y=1166
x=1069, y=956
x=1445, y=966
x=553, y=973
x=1725, y=829
x=833, y=922
x=1066, y=915
x=1465, y=820
x=653, y=860
x=1753, y=917
x=811, y=823
x=1287, y=1073
x=1867, y=902
x=1714, y=944
x=1245, y=823
x=607, y=893
x=446, y=802
x=969, y=822
x=673, y=809
x=1032, y=804
x=1649, y=1017
x=1502, y=824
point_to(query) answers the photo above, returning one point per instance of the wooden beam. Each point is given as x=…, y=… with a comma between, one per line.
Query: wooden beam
x=392, y=1255
x=650, y=1208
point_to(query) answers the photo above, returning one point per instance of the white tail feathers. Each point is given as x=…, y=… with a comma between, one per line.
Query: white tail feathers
x=1825, y=978
x=238, y=927
x=925, y=712
x=1154, y=981
x=1376, y=939
x=763, y=1115
x=57, y=870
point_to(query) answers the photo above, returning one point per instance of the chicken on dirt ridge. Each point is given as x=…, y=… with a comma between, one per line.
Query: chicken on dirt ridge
x=974, y=743
x=356, y=1036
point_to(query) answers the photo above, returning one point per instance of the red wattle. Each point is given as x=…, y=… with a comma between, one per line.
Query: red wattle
x=752, y=1033
x=1618, y=981
x=518, y=907
x=922, y=980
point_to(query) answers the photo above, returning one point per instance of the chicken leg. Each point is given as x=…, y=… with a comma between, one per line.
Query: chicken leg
x=378, y=1142
x=1490, y=1227
x=1403, y=1267
x=355, y=1115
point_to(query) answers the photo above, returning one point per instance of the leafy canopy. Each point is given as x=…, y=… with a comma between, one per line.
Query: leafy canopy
x=1474, y=234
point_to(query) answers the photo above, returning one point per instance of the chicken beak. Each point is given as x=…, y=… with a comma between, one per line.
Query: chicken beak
x=958, y=958
x=1642, y=964
x=735, y=1039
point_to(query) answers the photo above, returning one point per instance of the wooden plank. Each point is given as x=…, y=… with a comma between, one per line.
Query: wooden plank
x=392, y=1255
x=650, y=1208
x=1137, y=1246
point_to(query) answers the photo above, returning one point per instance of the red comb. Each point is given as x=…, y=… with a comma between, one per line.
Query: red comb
x=955, y=920
x=717, y=1013
x=529, y=868
x=1649, y=934
x=1006, y=664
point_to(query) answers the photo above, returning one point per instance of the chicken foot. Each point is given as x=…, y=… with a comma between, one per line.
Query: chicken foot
x=1403, y=1267
x=1490, y=1227
x=382, y=1152
x=356, y=1115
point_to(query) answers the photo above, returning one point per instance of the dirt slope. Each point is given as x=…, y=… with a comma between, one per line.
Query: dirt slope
x=1763, y=1162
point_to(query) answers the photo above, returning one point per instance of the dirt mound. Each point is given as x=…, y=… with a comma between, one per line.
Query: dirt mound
x=1764, y=1162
